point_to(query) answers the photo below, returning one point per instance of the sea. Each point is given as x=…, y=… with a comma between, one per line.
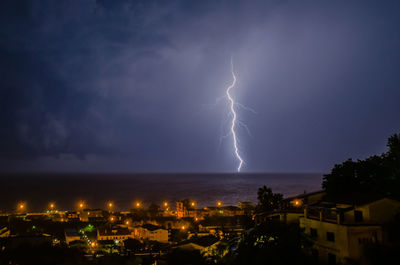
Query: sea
x=66, y=190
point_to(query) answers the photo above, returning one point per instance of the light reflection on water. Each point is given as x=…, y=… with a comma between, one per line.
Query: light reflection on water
x=206, y=189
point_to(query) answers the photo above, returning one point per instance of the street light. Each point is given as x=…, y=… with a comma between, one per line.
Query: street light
x=81, y=205
x=52, y=206
x=110, y=205
x=219, y=203
x=138, y=204
x=21, y=206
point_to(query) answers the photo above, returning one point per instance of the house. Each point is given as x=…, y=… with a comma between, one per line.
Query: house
x=291, y=208
x=71, y=235
x=339, y=231
x=247, y=207
x=203, y=244
x=223, y=211
x=115, y=234
x=71, y=216
x=303, y=199
x=221, y=224
x=185, y=209
x=4, y=232
x=152, y=233
x=91, y=215
x=287, y=216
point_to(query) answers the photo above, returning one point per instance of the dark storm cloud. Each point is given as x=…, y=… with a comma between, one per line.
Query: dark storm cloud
x=121, y=85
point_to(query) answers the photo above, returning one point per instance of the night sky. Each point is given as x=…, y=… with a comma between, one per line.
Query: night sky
x=138, y=86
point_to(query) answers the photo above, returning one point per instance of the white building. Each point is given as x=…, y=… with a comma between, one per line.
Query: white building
x=339, y=231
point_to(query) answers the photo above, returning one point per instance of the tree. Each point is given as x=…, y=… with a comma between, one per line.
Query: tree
x=133, y=245
x=154, y=210
x=374, y=177
x=267, y=200
x=272, y=243
x=394, y=147
x=185, y=256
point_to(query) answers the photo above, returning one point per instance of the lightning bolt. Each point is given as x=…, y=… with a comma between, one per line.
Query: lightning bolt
x=234, y=118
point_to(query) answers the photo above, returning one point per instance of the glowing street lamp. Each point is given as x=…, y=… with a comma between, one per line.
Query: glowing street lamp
x=52, y=206
x=138, y=204
x=110, y=205
x=165, y=204
x=127, y=222
x=112, y=218
x=193, y=204
x=21, y=206
x=219, y=203
x=81, y=205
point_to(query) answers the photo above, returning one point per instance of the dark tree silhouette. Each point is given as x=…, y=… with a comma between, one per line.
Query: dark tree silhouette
x=374, y=177
x=267, y=200
x=154, y=210
x=273, y=243
x=133, y=245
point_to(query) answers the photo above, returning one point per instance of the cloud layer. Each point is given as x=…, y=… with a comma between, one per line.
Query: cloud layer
x=131, y=85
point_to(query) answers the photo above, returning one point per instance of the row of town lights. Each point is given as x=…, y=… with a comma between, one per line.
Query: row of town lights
x=81, y=205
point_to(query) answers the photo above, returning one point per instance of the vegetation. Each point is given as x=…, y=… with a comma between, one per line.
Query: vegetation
x=267, y=200
x=154, y=210
x=271, y=243
x=45, y=254
x=376, y=176
x=184, y=257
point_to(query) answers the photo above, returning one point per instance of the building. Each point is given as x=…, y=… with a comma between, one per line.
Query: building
x=4, y=232
x=291, y=208
x=115, y=234
x=71, y=235
x=339, y=231
x=287, y=216
x=221, y=225
x=185, y=208
x=71, y=216
x=247, y=207
x=223, y=211
x=203, y=244
x=91, y=215
x=303, y=199
x=152, y=233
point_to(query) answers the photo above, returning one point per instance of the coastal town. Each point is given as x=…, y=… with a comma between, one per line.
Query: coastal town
x=211, y=132
x=149, y=231
x=337, y=231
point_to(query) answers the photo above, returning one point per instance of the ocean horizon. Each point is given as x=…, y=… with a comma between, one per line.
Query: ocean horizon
x=66, y=190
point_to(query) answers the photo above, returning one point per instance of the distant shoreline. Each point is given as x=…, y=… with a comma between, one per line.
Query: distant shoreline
x=206, y=188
